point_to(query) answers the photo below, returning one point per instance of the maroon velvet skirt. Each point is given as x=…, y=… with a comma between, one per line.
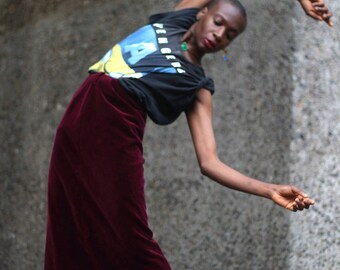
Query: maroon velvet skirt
x=96, y=206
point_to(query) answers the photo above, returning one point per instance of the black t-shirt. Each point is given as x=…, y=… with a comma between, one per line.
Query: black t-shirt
x=150, y=64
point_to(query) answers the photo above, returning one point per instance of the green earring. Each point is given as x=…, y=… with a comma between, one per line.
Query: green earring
x=184, y=46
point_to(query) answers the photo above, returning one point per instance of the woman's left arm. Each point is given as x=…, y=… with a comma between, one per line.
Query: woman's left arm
x=192, y=4
x=199, y=118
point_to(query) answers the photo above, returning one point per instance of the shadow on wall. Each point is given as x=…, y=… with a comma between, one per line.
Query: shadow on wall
x=199, y=224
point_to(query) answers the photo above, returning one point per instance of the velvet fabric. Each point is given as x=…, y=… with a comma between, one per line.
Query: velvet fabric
x=96, y=206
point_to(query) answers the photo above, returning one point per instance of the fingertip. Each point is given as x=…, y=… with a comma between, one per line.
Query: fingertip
x=291, y=207
x=310, y=202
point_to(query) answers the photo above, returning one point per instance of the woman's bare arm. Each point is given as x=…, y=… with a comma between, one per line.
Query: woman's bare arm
x=200, y=123
x=316, y=9
x=192, y=4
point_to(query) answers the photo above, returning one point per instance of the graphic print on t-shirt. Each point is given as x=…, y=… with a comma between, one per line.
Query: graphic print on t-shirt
x=145, y=51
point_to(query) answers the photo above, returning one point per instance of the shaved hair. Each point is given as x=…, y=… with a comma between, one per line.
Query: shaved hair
x=235, y=3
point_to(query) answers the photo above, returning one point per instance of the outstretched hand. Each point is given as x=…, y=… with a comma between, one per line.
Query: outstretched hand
x=318, y=10
x=291, y=198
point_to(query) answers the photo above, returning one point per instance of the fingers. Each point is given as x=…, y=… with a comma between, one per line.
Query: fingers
x=320, y=7
x=327, y=18
x=298, y=192
x=301, y=203
x=309, y=201
x=291, y=198
x=322, y=13
x=317, y=10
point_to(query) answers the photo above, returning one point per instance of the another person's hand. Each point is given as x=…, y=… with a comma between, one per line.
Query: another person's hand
x=317, y=9
x=291, y=198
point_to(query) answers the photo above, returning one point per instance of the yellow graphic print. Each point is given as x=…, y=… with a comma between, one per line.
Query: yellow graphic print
x=113, y=64
x=128, y=58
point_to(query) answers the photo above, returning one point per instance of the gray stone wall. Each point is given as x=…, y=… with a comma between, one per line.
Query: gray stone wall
x=276, y=118
x=315, y=145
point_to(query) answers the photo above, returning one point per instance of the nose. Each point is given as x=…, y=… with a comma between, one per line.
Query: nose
x=219, y=33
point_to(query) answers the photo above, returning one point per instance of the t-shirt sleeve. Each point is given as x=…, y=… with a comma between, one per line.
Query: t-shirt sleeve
x=208, y=83
x=183, y=18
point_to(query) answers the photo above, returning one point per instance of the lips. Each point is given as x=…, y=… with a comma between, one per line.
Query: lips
x=209, y=43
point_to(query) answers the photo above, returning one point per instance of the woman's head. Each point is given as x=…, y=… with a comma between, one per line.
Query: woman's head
x=235, y=3
x=218, y=24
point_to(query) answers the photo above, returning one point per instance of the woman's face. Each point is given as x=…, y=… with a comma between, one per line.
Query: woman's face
x=217, y=27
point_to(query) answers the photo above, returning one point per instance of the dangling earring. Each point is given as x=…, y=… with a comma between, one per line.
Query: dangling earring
x=184, y=46
x=185, y=38
x=225, y=56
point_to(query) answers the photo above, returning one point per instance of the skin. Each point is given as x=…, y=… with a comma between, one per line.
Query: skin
x=317, y=10
x=214, y=30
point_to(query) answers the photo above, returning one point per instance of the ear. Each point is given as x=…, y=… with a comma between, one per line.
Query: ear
x=201, y=13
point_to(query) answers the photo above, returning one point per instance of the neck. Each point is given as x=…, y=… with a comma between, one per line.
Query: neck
x=192, y=53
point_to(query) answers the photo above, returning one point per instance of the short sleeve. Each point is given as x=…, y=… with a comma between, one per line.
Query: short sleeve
x=208, y=83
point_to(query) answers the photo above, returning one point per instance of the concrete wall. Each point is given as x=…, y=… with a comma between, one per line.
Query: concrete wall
x=276, y=118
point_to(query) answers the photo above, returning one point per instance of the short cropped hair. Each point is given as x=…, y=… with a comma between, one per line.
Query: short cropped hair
x=236, y=3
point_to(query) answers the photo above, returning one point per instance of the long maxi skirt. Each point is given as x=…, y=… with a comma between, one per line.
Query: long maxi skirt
x=96, y=206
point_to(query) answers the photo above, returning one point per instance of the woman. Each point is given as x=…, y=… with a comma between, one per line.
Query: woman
x=96, y=207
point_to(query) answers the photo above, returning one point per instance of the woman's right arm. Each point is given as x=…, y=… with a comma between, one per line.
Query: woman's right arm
x=316, y=9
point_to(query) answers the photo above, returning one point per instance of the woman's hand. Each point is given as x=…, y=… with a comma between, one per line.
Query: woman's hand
x=317, y=10
x=291, y=198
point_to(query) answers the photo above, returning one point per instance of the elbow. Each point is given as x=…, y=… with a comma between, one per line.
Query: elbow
x=203, y=170
x=206, y=166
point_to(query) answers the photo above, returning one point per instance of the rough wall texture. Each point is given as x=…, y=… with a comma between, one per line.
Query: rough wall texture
x=315, y=145
x=276, y=118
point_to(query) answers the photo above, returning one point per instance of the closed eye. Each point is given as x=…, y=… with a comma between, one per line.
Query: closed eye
x=218, y=20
